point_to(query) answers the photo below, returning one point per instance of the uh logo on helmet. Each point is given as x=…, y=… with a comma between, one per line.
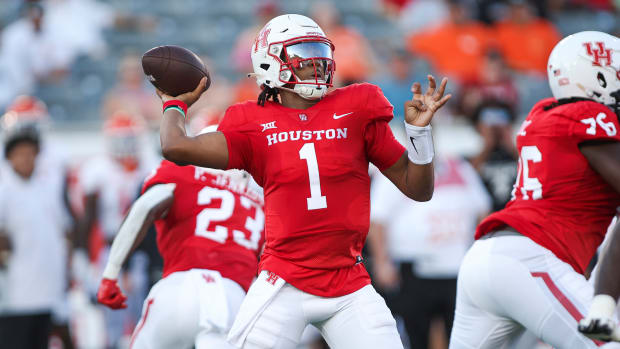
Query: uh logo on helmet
x=290, y=43
x=586, y=65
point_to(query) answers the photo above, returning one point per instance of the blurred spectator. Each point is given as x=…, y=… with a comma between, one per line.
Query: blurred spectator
x=33, y=233
x=51, y=167
x=497, y=161
x=30, y=53
x=133, y=94
x=524, y=39
x=491, y=104
x=80, y=24
x=41, y=46
x=493, y=87
x=417, y=247
x=455, y=47
x=396, y=85
x=247, y=89
x=111, y=183
x=264, y=11
x=421, y=15
x=355, y=57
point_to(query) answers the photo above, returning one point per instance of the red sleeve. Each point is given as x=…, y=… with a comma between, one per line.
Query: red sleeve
x=237, y=138
x=163, y=174
x=377, y=106
x=593, y=121
x=382, y=148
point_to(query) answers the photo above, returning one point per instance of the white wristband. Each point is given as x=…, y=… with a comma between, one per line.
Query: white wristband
x=602, y=306
x=111, y=271
x=420, y=147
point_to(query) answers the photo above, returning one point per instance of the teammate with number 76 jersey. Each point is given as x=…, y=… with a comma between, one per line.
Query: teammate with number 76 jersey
x=209, y=233
x=527, y=266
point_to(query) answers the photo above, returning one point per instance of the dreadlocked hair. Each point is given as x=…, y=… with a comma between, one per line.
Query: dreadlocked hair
x=266, y=93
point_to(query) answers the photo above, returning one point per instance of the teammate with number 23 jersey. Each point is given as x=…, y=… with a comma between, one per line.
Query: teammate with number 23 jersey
x=209, y=233
x=526, y=268
x=216, y=223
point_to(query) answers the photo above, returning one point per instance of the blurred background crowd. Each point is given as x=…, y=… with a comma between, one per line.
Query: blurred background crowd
x=71, y=84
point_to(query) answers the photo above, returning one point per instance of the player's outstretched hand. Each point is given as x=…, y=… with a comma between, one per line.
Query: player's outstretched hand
x=420, y=109
x=110, y=294
x=188, y=98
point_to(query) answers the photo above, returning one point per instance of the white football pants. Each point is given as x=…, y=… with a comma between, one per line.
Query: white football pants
x=507, y=283
x=187, y=309
x=274, y=314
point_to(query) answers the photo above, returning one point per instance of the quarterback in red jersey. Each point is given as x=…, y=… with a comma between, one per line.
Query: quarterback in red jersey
x=209, y=233
x=526, y=268
x=310, y=150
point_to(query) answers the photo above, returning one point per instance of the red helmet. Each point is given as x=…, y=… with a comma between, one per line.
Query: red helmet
x=25, y=111
x=123, y=123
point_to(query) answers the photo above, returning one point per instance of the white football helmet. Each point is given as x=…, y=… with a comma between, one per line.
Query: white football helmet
x=291, y=42
x=586, y=65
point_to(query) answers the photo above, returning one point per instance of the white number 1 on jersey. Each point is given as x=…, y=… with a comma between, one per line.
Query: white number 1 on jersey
x=316, y=200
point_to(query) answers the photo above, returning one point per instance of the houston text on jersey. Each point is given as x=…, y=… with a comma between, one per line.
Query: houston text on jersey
x=318, y=135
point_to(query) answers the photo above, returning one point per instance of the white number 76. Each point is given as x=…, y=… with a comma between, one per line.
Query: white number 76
x=608, y=127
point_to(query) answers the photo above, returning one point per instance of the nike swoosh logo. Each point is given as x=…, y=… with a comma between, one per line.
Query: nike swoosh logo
x=336, y=117
x=414, y=147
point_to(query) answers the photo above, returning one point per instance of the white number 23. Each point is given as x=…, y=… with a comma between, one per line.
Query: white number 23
x=218, y=214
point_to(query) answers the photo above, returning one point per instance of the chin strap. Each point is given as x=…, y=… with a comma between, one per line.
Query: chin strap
x=616, y=106
x=307, y=91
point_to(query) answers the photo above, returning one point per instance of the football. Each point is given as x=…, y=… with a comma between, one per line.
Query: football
x=173, y=69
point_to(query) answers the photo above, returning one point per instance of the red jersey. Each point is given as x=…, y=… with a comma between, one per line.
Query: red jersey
x=313, y=166
x=212, y=224
x=558, y=200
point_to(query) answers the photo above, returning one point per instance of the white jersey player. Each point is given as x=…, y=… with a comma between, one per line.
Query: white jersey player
x=110, y=183
x=51, y=168
x=33, y=238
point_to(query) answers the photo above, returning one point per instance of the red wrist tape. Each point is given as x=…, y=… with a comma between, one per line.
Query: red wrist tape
x=176, y=103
